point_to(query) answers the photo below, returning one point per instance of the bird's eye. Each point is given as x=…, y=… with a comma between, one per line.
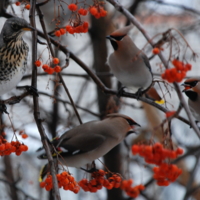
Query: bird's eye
x=15, y=26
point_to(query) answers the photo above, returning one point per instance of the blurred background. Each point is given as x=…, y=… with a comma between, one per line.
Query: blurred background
x=19, y=175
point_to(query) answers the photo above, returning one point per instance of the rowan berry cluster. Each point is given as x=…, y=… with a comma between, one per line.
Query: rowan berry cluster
x=97, y=11
x=76, y=24
x=81, y=27
x=131, y=191
x=6, y=148
x=166, y=173
x=47, y=68
x=99, y=181
x=65, y=181
x=27, y=6
x=156, y=153
x=177, y=73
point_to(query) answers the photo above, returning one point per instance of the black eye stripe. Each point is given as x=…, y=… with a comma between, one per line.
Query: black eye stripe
x=130, y=122
x=192, y=83
x=118, y=38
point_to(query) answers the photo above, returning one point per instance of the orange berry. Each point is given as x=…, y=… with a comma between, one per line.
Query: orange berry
x=103, y=12
x=45, y=67
x=24, y=136
x=57, y=33
x=28, y=6
x=163, y=182
x=62, y=31
x=2, y=147
x=8, y=145
x=68, y=27
x=170, y=113
x=37, y=63
x=76, y=189
x=93, y=10
x=97, y=15
x=156, y=50
x=56, y=61
x=179, y=151
x=141, y=187
x=48, y=187
x=72, y=7
x=50, y=70
x=17, y=3
x=71, y=30
x=188, y=66
x=85, y=25
x=82, y=11
x=42, y=184
x=135, y=149
x=179, y=77
x=173, y=72
x=18, y=153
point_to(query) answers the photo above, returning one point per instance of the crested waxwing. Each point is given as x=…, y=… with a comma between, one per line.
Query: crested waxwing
x=87, y=142
x=192, y=90
x=128, y=63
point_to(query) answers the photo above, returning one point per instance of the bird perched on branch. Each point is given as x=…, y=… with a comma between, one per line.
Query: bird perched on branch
x=192, y=90
x=128, y=63
x=13, y=53
x=87, y=142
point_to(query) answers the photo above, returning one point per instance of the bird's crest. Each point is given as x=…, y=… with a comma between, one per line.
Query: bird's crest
x=122, y=31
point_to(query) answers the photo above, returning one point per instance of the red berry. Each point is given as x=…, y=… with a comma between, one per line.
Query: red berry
x=28, y=6
x=62, y=31
x=17, y=3
x=38, y=63
x=156, y=50
x=57, y=33
x=56, y=61
x=93, y=10
x=72, y=7
x=57, y=68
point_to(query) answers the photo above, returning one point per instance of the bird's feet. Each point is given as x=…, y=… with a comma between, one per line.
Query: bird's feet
x=139, y=93
x=120, y=92
x=93, y=169
x=3, y=108
x=30, y=89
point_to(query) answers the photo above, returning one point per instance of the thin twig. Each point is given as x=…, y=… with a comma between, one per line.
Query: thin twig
x=36, y=105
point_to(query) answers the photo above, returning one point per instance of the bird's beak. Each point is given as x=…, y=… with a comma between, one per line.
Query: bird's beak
x=187, y=87
x=28, y=28
x=135, y=124
x=132, y=129
x=110, y=38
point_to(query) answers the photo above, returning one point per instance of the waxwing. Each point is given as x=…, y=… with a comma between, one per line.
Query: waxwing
x=92, y=140
x=128, y=63
x=192, y=90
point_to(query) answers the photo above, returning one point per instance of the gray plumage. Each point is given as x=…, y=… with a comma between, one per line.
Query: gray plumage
x=128, y=63
x=87, y=142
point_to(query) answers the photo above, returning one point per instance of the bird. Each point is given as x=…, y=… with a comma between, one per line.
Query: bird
x=192, y=90
x=128, y=63
x=13, y=53
x=92, y=140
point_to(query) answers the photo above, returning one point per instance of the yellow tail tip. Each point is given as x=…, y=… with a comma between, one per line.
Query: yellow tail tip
x=162, y=101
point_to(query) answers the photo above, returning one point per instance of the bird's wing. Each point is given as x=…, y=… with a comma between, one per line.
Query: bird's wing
x=81, y=143
x=146, y=60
